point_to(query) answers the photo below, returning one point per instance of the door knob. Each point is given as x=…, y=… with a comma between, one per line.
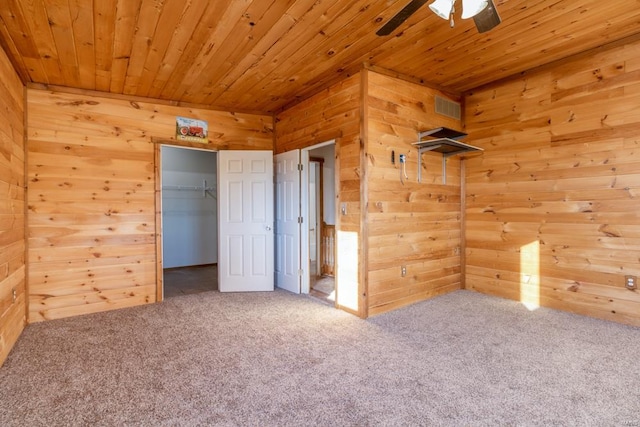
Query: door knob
x=268, y=228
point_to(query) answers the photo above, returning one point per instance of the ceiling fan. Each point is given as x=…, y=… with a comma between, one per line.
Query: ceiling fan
x=483, y=12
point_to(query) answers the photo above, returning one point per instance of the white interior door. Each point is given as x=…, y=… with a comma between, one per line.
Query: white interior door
x=312, y=223
x=288, y=273
x=245, y=215
x=304, y=213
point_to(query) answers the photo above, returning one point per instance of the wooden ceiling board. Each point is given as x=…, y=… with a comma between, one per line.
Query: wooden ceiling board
x=10, y=46
x=123, y=30
x=248, y=31
x=38, y=28
x=207, y=56
x=143, y=38
x=262, y=55
x=316, y=31
x=81, y=14
x=59, y=14
x=182, y=59
x=325, y=58
x=550, y=34
x=462, y=59
x=157, y=44
x=175, y=45
x=18, y=62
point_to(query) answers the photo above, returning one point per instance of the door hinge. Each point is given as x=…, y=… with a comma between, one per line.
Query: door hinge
x=300, y=167
x=299, y=220
x=300, y=272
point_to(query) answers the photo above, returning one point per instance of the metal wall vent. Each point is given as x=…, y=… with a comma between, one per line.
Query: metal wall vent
x=448, y=108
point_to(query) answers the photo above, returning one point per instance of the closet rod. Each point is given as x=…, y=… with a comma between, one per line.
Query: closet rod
x=204, y=188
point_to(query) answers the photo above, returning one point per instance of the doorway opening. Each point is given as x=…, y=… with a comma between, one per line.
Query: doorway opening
x=305, y=220
x=321, y=222
x=189, y=220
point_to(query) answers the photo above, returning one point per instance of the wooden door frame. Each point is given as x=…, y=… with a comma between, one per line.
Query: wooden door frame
x=335, y=142
x=319, y=210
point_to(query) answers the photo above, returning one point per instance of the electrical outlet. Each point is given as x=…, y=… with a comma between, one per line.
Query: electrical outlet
x=631, y=282
x=403, y=270
x=14, y=295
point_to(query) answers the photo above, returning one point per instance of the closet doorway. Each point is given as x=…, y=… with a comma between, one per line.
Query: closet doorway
x=305, y=182
x=189, y=220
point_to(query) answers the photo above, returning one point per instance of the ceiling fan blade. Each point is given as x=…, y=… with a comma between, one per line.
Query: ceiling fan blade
x=487, y=19
x=400, y=17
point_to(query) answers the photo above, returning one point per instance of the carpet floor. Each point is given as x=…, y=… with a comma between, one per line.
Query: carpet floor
x=326, y=285
x=277, y=359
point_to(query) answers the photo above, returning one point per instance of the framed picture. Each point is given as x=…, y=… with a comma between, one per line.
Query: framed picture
x=192, y=130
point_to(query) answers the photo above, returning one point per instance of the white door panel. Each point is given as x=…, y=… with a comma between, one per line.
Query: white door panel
x=287, y=226
x=304, y=213
x=245, y=206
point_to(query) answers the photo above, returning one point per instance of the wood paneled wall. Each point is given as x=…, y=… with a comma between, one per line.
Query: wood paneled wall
x=91, y=203
x=334, y=114
x=409, y=223
x=412, y=224
x=12, y=206
x=552, y=205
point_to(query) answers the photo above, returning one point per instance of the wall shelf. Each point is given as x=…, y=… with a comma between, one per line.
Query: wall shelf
x=445, y=141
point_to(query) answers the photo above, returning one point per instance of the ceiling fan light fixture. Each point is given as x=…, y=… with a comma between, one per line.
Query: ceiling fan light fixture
x=442, y=8
x=471, y=8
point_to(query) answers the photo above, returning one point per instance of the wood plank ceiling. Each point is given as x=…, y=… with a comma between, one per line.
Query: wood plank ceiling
x=262, y=55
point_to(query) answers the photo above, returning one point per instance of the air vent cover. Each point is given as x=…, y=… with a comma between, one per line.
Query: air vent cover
x=448, y=108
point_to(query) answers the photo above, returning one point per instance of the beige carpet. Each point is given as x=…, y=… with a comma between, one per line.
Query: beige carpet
x=276, y=359
x=326, y=285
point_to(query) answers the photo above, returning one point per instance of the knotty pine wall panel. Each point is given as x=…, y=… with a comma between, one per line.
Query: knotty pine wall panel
x=91, y=204
x=333, y=113
x=409, y=223
x=552, y=204
x=12, y=208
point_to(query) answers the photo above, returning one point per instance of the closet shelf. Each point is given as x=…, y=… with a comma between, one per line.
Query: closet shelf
x=188, y=188
x=204, y=188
